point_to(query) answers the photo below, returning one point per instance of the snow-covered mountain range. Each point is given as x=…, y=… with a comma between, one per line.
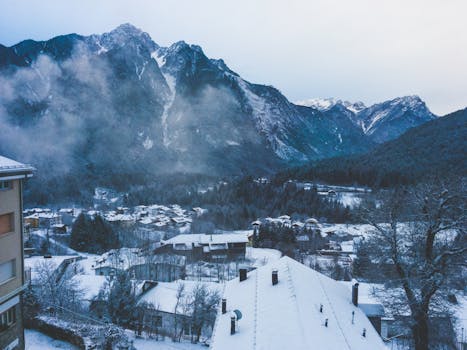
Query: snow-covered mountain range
x=382, y=121
x=118, y=103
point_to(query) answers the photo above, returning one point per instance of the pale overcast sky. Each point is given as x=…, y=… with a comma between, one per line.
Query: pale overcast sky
x=368, y=50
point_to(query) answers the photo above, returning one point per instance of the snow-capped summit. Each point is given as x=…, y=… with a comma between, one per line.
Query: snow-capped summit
x=382, y=121
x=325, y=104
x=122, y=35
x=387, y=120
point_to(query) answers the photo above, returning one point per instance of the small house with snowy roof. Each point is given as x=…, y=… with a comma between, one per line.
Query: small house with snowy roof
x=286, y=305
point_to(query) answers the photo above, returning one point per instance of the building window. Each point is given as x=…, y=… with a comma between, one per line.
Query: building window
x=6, y=223
x=7, y=270
x=157, y=321
x=6, y=185
x=8, y=318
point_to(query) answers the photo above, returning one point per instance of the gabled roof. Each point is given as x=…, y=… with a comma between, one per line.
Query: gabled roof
x=287, y=315
x=202, y=239
x=12, y=167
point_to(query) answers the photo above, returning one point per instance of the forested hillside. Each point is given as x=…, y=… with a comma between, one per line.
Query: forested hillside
x=436, y=148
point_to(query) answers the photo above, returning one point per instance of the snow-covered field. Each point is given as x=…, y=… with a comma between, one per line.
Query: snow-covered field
x=38, y=341
x=150, y=344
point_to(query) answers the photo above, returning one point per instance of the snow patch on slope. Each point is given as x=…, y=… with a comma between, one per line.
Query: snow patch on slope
x=171, y=83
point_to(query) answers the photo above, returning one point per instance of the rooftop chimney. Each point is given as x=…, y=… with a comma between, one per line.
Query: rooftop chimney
x=232, y=325
x=242, y=274
x=275, y=277
x=224, y=306
x=355, y=294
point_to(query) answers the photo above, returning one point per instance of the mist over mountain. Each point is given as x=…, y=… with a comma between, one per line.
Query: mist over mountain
x=106, y=108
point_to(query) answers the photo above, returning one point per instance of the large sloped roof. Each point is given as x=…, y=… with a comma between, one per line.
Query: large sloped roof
x=287, y=315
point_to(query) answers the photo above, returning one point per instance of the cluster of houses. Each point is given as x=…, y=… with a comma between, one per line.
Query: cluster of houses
x=154, y=217
x=333, y=240
x=282, y=303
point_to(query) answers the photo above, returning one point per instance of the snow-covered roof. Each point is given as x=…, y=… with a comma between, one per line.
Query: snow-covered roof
x=125, y=258
x=164, y=296
x=203, y=239
x=287, y=315
x=8, y=165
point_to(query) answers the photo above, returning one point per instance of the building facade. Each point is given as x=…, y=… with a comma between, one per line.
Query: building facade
x=12, y=277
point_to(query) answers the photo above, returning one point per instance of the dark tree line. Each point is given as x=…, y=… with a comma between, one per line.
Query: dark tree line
x=434, y=148
x=236, y=203
x=92, y=235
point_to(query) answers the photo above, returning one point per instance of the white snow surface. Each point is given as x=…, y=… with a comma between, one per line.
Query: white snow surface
x=171, y=83
x=287, y=316
x=90, y=285
x=38, y=341
x=34, y=263
x=164, y=295
x=324, y=104
x=152, y=344
x=208, y=239
x=262, y=256
x=7, y=164
x=352, y=229
x=349, y=199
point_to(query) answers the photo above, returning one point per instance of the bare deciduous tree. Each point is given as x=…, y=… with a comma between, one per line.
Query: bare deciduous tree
x=420, y=233
x=55, y=289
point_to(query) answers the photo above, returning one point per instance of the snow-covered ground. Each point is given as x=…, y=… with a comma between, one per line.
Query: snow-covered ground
x=38, y=341
x=151, y=344
x=261, y=256
x=352, y=229
x=349, y=199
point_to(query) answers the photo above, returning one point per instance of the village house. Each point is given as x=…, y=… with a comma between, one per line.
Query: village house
x=213, y=247
x=164, y=307
x=286, y=305
x=155, y=267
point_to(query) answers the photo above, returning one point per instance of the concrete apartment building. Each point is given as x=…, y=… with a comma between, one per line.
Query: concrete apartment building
x=12, y=277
